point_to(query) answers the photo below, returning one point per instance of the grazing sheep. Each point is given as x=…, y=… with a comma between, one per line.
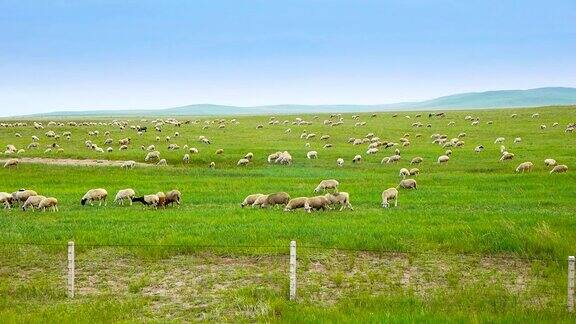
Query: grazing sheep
x=32, y=201
x=561, y=168
x=525, y=167
x=312, y=155
x=11, y=163
x=535, y=115
x=128, y=164
x=193, y=150
x=250, y=199
x=284, y=158
x=499, y=140
x=518, y=140
x=404, y=173
x=506, y=156
x=340, y=162
x=51, y=203
x=243, y=161
x=249, y=156
x=416, y=160
x=372, y=150
x=327, y=184
x=317, y=203
x=408, y=184
x=219, y=151
x=186, y=158
x=443, y=159
x=6, y=199
x=389, y=194
x=479, y=149
x=152, y=156
x=212, y=165
x=279, y=198
x=342, y=198
x=357, y=159
x=414, y=171
x=259, y=200
x=393, y=159
x=542, y=126
x=161, y=198
x=22, y=195
x=550, y=162
x=448, y=152
x=295, y=203
x=162, y=162
x=95, y=195
x=124, y=194
x=173, y=196
x=148, y=200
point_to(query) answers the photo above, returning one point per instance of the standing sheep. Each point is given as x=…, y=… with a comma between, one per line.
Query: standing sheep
x=357, y=159
x=22, y=195
x=342, y=198
x=32, y=201
x=128, y=165
x=416, y=160
x=148, y=200
x=340, y=162
x=6, y=200
x=50, y=203
x=295, y=203
x=95, y=195
x=550, y=162
x=561, y=168
x=389, y=194
x=525, y=167
x=404, y=173
x=242, y=162
x=312, y=155
x=327, y=184
x=11, y=163
x=124, y=194
x=250, y=199
x=443, y=159
x=317, y=203
x=259, y=200
x=408, y=184
x=173, y=196
x=280, y=198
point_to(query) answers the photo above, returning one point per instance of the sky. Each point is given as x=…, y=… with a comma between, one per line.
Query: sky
x=88, y=54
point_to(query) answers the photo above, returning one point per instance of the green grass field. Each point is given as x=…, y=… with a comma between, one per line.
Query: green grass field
x=476, y=242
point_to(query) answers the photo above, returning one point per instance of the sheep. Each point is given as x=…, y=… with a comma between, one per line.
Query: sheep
x=340, y=162
x=219, y=151
x=50, y=203
x=394, y=158
x=6, y=199
x=342, y=198
x=542, y=126
x=152, y=156
x=443, y=159
x=479, y=149
x=95, y=195
x=499, y=140
x=250, y=199
x=186, y=158
x=32, y=201
x=414, y=171
x=312, y=155
x=408, y=184
x=22, y=195
x=284, y=158
x=124, y=194
x=535, y=115
x=357, y=159
x=212, y=165
x=162, y=162
x=389, y=194
x=404, y=173
x=173, y=196
x=506, y=156
x=249, y=156
x=11, y=163
x=550, y=162
x=148, y=200
x=327, y=184
x=295, y=203
x=448, y=152
x=317, y=203
x=161, y=198
x=258, y=201
x=280, y=198
x=327, y=145
x=518, y=140
x=243, y=162
x=525, y=167
x=373, y=150
x=416, y=160
x=561, y=168
x=128, y=164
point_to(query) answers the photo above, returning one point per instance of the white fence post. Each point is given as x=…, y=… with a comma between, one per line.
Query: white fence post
x=570, y=303
x=293, y=270
x=70, y=281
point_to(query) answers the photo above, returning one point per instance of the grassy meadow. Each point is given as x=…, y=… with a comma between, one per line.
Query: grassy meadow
x=476, y=242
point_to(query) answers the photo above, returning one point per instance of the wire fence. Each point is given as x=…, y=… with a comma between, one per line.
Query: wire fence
x=81, y=263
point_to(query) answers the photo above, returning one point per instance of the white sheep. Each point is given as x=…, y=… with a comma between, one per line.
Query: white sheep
x=327, y=184
x=50, y=203
x=162, y=162
x=342, y=198
x=416, y=160
x=11, y=163
x=499, y=140
x=6, y=200
x=128, y=164
x=250, y=199
x=518, y=140
x=32, y=201
x=249, y=156
x=193, y=150
x=506, y=156
x=479, y=148
x=550, y=162
x=443, y=159
x=404, y=173
x=340, y=162
x=152, y=156
x=92, y=195
x=525, y=167
x=357, y=159
x=389, y=194
x=242, y=162
x=408, y=184
x=561, y=168
x=124, y=194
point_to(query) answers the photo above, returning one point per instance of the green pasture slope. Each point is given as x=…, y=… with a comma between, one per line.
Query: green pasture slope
x=476, y=242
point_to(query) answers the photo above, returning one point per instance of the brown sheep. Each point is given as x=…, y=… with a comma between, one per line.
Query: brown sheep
x=279, y=198
x=296, y=203
x=317, y=203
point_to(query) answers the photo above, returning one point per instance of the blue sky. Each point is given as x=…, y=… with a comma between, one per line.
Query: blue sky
x=76, y=55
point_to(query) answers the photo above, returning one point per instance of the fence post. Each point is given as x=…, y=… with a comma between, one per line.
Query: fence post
x=70, y=281
x=570, y=304
x=293, y=270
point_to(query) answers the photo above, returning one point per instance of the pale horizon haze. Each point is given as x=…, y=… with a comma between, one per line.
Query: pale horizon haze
x=88, y=55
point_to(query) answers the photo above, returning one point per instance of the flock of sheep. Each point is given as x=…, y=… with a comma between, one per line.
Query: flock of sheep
x=30, y=199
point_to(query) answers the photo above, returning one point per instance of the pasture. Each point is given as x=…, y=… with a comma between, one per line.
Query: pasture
x=476, y=241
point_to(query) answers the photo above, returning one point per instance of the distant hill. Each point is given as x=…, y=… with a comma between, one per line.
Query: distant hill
x=472, y=100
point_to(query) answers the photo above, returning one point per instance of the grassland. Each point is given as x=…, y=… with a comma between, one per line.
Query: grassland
x=476, y=241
